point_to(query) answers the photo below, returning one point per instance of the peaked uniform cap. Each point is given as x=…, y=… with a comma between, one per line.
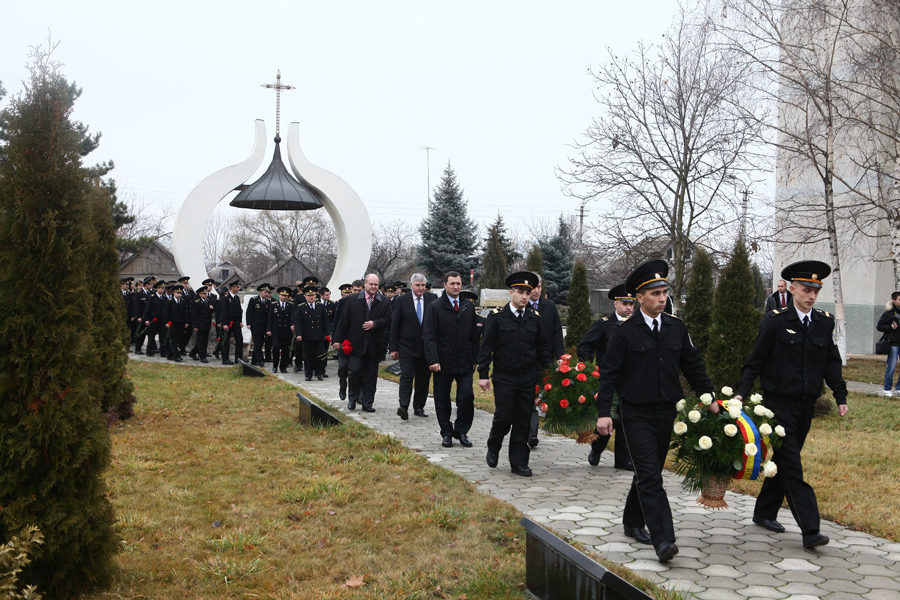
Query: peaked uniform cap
x=525, y=279
x=808, y=272
x=467, y=295
x=620, y=293
x=650, y=275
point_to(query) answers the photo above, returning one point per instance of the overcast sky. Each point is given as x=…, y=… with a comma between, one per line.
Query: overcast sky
x=499, y=89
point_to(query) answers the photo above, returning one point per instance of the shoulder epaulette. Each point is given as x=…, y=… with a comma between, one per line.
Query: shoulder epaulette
x=605, y=319
x=495, y=311
x=825, y=313
x=673, y=316
x=776, y=311
x=535, y=312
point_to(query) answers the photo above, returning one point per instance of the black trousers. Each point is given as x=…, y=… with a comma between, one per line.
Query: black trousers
x=343, y=361
x=465, y=402
x=256, y=355
x=298, y=352
x=139, y=339
x=647, y=431
x=514, y=403
x=132, y=328
x=311, y=361
x=267, y=345
x=788, y=481
x=281, y=350
x=152, y=332
x=621, y=451
x=174, y=335
x=185, y=337
x=234, y=334
x=362, y=378
x=201, y=342
x=414, y=375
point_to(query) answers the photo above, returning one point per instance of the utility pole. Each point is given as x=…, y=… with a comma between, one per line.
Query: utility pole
x=428, y=150
x=581, y=227
x=744, y=216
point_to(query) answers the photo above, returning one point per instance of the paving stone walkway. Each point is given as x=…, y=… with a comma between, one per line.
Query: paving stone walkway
x=723, y=555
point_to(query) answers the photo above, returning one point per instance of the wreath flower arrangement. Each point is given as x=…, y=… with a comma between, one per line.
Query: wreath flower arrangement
x=710, y=449
x=565, y=398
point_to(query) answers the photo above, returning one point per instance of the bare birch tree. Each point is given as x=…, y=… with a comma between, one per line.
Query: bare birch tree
x=792, y=48
x=393, y=250
x=669, y=151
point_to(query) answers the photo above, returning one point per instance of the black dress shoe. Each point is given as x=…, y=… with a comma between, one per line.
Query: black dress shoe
x=771, y=525
x=420, y=413
x=815, y=540
x=492, y=458
x=319, y=377
x=464, y=440
x=227, y=362
x=275, y=369
x=523, y=471
x=447, y=442
x=368, y=409
x=594, y=458
x=309, y=377
x=351, y=405
x=624, y=466
x=178, y=359
x=403, y=413
x=323, y=375
x=138, y=352
x=342, y=394
x=666, y=551
x=216, y=354
x=296, y=369
x=639, y=534
x=149, y=355
x=195, y=357
x=284, y=370
x=203, y=360
x=533, y=442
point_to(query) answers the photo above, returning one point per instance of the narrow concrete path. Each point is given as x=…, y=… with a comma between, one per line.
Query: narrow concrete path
x=723, y=555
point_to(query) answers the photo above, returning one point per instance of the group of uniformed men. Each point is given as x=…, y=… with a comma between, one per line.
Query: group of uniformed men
x=640, y=353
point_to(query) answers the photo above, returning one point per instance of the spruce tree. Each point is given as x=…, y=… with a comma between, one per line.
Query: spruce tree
x=535, y=261
x=493, y=263
x=699, y=292
x=735, y=321
x=449, y=236
x=506, y=244
x=558, y=261
x=579, y=318
x=54, y=445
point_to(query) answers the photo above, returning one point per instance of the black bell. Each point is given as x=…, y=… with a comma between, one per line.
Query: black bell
x=277, y=190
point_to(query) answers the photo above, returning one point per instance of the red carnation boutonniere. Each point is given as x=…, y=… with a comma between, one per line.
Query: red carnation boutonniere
x=169, y=324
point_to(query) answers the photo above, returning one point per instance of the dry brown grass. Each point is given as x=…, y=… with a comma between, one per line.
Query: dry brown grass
x=867, y=371
x=852, y=464
x=220, y=493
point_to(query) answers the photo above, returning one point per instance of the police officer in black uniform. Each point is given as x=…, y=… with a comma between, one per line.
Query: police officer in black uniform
x=643, y=358
x=230, y=317
x=330, y=306
x=138, y=308
x=793, y=354
x=201, y=318
x=279, y=329
x=257, y=317
x=188, y=296
x=591, y=348
x=153, y=314
x=514, y=342
x=311, y=325
x=177, y=316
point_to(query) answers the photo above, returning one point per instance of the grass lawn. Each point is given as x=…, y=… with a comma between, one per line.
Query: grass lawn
x=867, y=371
x=220, y=493
x=849, y=461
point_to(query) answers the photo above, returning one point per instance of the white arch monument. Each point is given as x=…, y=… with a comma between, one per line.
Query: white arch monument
x=352, y=226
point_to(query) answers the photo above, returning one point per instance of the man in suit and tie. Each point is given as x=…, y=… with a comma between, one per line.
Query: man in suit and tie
x=551, y=325
x=781, y=298
x=365, y=321
x=407, y=346
x=343, y=360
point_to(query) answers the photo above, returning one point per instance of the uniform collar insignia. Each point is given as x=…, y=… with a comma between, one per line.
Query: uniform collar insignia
x=791, y=331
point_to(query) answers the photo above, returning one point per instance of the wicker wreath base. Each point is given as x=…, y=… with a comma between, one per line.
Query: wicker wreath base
x=586, y=437
x=712, y=495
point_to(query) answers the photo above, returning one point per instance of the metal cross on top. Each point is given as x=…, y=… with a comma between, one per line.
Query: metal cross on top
x=278, y=87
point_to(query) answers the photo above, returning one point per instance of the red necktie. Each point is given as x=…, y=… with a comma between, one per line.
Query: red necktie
x=782, y=301
x=456, y=305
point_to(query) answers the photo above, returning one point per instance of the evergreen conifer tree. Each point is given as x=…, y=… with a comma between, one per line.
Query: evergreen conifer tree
x=735, y=321
x=449, y=236
x=579, y=318
x=509, y=249
x=493, y=263
x=54, y=445
x=535, y=261
x=558, y=261
x=699, y=292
